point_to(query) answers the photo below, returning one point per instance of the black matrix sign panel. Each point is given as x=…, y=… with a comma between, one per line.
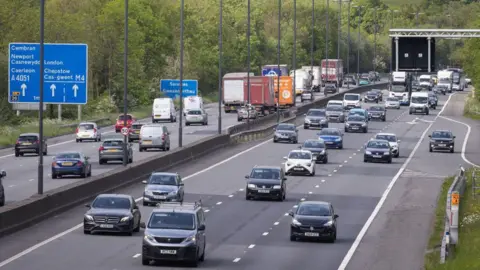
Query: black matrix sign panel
x=413, y=54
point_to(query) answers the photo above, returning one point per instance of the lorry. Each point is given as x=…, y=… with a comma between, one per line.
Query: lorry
x=426, y=81
x=272, y=70
x=333, y=73
x=262, y=93
x=284, y=95
x=303, y=81
x=233, y=93
x=399, y=78
x=401, y=86
x=458, y=79
x=445, y=78
x=317, y=77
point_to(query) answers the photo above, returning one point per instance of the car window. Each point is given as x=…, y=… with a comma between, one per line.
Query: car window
x=442, y=134
x=67, y=155
x=286, y=127
x=111, y=203
x=331, y=132
x=299, y=155
x=163, y=179
x=389, y=138
x=316, y=113
x=121, y=117
x=152, y=131
x=137, y=126
x=266, y=173
x=392, y=99
x=419, y=99
x=313, y=144
x=376, y=108
x=314, y=210
x=86, y=127
x=356, y=118
x=113, y=143
x=194, y=112
x=172, y=220
x=377, y=144
x=334, y=108
x=28, y=138
x=351, y=97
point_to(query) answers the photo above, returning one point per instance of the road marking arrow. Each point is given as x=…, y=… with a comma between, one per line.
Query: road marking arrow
x=413, y=122
x=23, y=86
x=75, y=89
x=53, y=87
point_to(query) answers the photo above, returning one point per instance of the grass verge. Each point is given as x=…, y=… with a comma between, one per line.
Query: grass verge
x=472, y=107
x=466, y=255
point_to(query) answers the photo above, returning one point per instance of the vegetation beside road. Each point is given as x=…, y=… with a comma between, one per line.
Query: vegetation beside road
x=465, y=256
x=472, y=106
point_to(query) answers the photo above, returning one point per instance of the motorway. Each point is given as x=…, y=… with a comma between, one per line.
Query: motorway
x=256, y=235
x=22, y=172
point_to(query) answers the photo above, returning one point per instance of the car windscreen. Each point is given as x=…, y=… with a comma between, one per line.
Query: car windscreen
x=137, y=126
x=111, y=203
x=376, y=109
x=356, y=118
x=355, y=112
x=162, y=179
x=194, y=112
x=265, y=173
x=335, y=108
x=27, y=138
x=113, y=143
x=378, y=145
x=392, y=99
x=86, y=127
x=424, y=79
x=152, y=131
x=419, y=100
x=314, y=210
x=351, y=97
x=172, y=220
x=371, y=94
x=67, y=156
x=316, y=113
x=286, y=127
x=313, y=144
x=389, y=138
x=299, y=155
x=329, y=132
x=442, y=135
x=122, y=117
x=398, y=88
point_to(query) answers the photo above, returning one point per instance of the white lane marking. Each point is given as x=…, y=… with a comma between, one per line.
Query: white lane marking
x=310, y=192
x=317, y=186
x=218, y=203
x=345, y=161
x=276, y=223
x=286, y=214
x=464, y=146
x=323, y=181
x=11, y=186
x=251, y=246
x=302, y=199
x=30, y=180
x=295, y=206
x=382, y=200
x=354, y=154
x=230, y=196
x=237, y=260
x=207, y=210
x=359, y=150
x=329, y=175
x=341, y=165
x=137, y=255
x=350, y=157
x=265, y=233
x=241, y=189
x=335, y=171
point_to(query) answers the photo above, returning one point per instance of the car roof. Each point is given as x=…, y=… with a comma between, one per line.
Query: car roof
x=442, y=130
x=334, y=129
x=321, y=110
x=29, y=134
x=183, y=207
x=357, y=109
x=266, y=167
x=316, y=202
x=164, y=173
x=87, y=123
x=285, y=124
x=300, y=151
x=68, y=152
x=386, y=134
x=107, y=195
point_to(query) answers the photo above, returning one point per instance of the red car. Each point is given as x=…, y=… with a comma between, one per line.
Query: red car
x=121, y=121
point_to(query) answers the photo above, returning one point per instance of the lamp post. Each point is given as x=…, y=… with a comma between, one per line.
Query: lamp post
x=248, y=63
x=125, y=85
x=220, y=51
x=40, y=103
x=391, y=26
x=358, y=37
x=278, y=56
x=294, y=49
x=349, y=44
x=375, y=39
x=326, y=42
x=180, y=133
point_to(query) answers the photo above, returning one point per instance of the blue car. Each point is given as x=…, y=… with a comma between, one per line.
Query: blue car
x=332, y=137
x=71, y=163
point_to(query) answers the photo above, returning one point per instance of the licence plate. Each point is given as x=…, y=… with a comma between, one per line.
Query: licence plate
x=160, y=197
x=165, y=251
x=312, y=234
x=377, y=156
x=355, y=127
x=263, y=191
x=67, y=163
x=157, y=115
x=106, y=226
x=232, y=108
x=86, y=135
x=26, y=143
x=113, y=150
x=147, y=142
x=298, y=169
x=442, y=145
x=329, y=142
x=137, y=132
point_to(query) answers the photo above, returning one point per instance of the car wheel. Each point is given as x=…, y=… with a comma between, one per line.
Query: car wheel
x=130, y=160
x=341, y=146
x=452, y=150
x=325, y=160
x=101, y=161
x=54, y=176
x=145, y=261
x=248, y=198
x=86, y=232
x=293, y=238
x=365, y=160
x=274, y=141
x=137, y=228
x=397, y=155
x=145, y=203
x=239, y=119
x=17, y=154
x=140, y=149
x=77, y=140
x=431, y=150
x=365, y=130
x=390, y=160
x=305, y=127
x=202, y=258
x=346, y=130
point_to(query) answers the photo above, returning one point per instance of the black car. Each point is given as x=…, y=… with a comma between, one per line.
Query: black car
x=442, y=140
x=112, y=213
x=318, y=149
x=356, y=123
x=286, y=133
x=330, y=89
x=416, y=86
x=314, y=220
x=441, y=88
x=379, y=93
x=2, y=189
x=378, y=150
x=29, y=143
x=175, y=232
x=432, y=100
x=266, y=182
x=370, y=97
x=377, y=113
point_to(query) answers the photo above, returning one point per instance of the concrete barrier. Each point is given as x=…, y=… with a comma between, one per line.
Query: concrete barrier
x=260, y=133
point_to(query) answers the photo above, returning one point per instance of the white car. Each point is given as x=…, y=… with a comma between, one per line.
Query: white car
x=392, y=140
x=300, y=162
x=88, y=131
x=392, y=103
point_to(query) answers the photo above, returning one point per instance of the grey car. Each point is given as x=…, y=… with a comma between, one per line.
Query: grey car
x=315, y=118
x=335, y=114
x=286, y=133
x=246, y=112
x=196, y=116
x=112, y=150
x=356, y=123
x=30, y=143
x=307, y=95
x=2, y=189
x=154, y=136
x=175, y=232
x=163, y=186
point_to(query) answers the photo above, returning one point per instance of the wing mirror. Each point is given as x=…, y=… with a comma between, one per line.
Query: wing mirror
x=53, y=158
x=4, y=173
x=201, y=227
x=285, y=158
x=454, y=137
x=290, y=213
x=247, y=176
x=181, y=184
x=142, y=225
x=430, y=136
x=296, y=130
x=305, y=114
x=144, y=182
x=274, y=129
x=135, y=207
x=398, y=141
x=335, y=216
x=87, y=205
x=87, y=157
x=299, y=147
x=365, y=146
x=284, y=178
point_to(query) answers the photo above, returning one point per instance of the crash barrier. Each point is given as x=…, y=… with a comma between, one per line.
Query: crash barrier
x=19, y=215
x=252, y=135
x=475, y=182
x=450, y=235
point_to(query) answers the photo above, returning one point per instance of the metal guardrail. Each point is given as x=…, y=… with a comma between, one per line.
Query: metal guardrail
x=76, y=124
x=452, y=214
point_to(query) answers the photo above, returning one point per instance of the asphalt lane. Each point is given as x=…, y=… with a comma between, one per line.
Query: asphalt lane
x=22, y=175
x=246, y=231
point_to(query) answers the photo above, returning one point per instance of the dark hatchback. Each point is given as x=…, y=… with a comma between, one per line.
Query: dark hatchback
x=377, y=113
x=314, y=220
x=378, y=150
x=371, y=97
x=442, y=140
x=29, y=143
x=285, y=133
x=71, y=163
x=356, y=123
x=135, y=132
x=379, y=94
x=330, y=89
x=266, y=182
x=112, y=213
x=318, y=149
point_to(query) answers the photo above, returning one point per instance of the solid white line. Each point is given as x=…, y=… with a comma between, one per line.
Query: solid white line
x=310, y=192
x=137, y=255
x=207, y=210
x=317, y=186
x=464, y=146
x=276, y=223
x=251, y=246
x=230, y=196
x=370, y=219
x=265, y=233
x=218, y=203
x=237, y=260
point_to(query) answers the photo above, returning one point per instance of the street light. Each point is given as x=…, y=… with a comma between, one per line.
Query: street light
x=125, y=85
x=294, y=49
x=326, y=42
x=278, y=57
x=220, y=51
x=180, y=133
x=248, y=63
x=391, y=26
x=40, y=103
x=375, y=39
x=358, y=36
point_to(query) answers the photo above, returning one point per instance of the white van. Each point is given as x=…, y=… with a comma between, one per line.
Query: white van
x=335, y=103
x=419, y=103
x=192, y=103
x=163, y=110
x=351, y=101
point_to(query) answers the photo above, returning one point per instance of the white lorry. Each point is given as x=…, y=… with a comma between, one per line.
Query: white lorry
x=445, y=78
x=399, y=77
x=233, y=93
x=303, y=81
x=317, y=76
x=426, y=82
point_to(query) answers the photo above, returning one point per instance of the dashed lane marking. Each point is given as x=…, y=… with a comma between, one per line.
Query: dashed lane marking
x=137, y=255
x=237, y=260
x=251, y=246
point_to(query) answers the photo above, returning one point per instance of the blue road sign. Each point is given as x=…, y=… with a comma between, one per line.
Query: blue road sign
x=65, y=73
x=273, y=70
x=171, y=88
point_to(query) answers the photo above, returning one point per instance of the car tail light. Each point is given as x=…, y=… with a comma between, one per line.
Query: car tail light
x=54, y=164
x=18, y=142
x=101, y=148
x=163, y=136
x=76, y=131
x=37, y=142
x=79, y=164
x=95, y=130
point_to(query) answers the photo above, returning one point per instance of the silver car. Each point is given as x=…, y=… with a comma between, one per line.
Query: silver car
x=392, y=103
x=246, y=112
x=307, y=95
x=162, y=186
x=315, y=118
x=154, y=136
x=196, y=116
x=88, y=131
x=335, y=113
x=112, y=150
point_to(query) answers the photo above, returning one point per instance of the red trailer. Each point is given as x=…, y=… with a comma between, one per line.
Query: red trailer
x=262, y=93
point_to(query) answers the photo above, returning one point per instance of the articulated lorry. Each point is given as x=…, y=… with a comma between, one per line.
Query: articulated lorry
x=303, y=81
x=400, y=87
x=333, y=73
x=284, y=94
x=458, y=79
x=445, y=78
x=316, y=72
x=262, y=93
x=233, y=93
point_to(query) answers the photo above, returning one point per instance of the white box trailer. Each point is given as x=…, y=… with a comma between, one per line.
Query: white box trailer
x=317, y=76
x=233, y=93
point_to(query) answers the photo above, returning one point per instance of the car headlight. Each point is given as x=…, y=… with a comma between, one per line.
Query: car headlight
x=173, y=193
x=251, y=186
x=289, y=164
x=277, y=187
x=307, y=120
x=368, y=152
x=347, y=124
x=323, y=152
x=149, y=237
x=323, y=120
x=125, y=219
x=386, y=153
x=337, y=140
x=328, y=224
x=148, y=193
x=88, y=217
x=364, y=124
x=296, y=223
x=308, y=164
x=191, y=238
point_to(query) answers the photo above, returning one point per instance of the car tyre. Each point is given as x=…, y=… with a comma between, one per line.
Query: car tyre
x=431, y=150
x=101, y=161
x=325, y=160
x=365, y=130
x=140, y=149
x=346, y=130
x=54, y=176
x=384, y=119
x=17, y=153
x=390, y=160
x=398, y=154
x=452, y=150
x=305, y=127
x=130, y=160
x=313, y=173
x=86, y=232
x=341, y=146
x=274, y=141
x=248, y=198
x=187, y=124
x=145, y=261
x=84, y=174
x=365, y=160
x=202, y=258
x=293, y=238
x=45, y=152
x=77, y=140
x=137, y=228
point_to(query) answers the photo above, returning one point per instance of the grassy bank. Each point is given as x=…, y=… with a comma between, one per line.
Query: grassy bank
x=466, y=255
x=472, y=106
